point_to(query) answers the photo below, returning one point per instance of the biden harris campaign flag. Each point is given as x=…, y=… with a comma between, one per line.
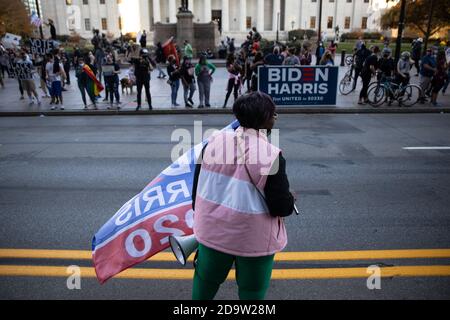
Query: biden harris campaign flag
x=142, y=226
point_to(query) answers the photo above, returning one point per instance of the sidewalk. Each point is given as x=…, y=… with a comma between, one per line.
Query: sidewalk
x=10, y=105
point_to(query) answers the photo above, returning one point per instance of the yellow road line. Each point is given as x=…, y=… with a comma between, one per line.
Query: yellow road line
x=187, y=274
x=282, y=256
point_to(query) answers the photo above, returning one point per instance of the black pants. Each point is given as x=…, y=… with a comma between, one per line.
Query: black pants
x=357, y=74
x=67, y=71
x=20, y=87
x=416, y=63
x=146, y=84
x=366, y=82
x=233, y=84
x=112, y=84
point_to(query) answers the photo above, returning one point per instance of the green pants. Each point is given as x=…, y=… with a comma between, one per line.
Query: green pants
x=212, y=268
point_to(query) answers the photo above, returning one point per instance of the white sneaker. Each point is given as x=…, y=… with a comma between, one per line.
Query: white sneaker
x=53, y=108
x=61, y=107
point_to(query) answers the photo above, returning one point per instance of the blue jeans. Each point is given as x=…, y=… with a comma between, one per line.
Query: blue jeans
x=175, y=86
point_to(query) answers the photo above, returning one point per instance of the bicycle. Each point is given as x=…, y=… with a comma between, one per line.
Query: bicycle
x=346, y=85
x=379, y=92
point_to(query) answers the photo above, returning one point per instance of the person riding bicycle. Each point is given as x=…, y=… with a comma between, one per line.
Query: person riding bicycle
x=386, y=65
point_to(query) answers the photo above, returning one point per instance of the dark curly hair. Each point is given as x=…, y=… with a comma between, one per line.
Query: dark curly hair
x=253, y=110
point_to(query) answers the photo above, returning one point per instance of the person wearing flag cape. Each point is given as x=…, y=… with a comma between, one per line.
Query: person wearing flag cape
x=239, y=208
x=240, y=196
x=87, y=82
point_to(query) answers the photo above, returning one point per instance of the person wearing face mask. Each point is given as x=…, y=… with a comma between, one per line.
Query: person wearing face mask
x=319, y=53
x=240, y=204
x=111, y=71
x=386, y=64
x=187, y=71
x=369, y=68
x=427, y=70
x=85, y=83
x=403, y=68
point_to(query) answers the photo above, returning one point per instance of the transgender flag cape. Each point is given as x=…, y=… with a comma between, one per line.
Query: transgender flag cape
x=141, y=228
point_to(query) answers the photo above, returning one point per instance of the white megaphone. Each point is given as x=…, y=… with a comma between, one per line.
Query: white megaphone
x=182, y=247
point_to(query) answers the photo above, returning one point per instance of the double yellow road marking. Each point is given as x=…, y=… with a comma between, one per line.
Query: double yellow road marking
x=282, y=256
x=280, y=274
x=187, y=274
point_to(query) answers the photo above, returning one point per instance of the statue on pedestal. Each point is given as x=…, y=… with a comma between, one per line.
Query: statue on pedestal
x=184, y=6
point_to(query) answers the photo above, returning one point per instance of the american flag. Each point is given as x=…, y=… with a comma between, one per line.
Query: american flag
x=35, y=20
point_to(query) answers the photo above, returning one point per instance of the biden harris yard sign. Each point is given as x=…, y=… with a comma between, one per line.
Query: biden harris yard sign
x=302, y=85
x=142, y=226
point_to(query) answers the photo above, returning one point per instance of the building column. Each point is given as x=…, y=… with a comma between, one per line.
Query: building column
x=276, y=11
x=207, y=11
x=352, y=21
x=172, y=11
x=243, y=15
x=225, y=16
x=156, y=11
x=260, y=16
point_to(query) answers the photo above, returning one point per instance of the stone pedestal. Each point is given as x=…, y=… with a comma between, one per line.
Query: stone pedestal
x=185, y=27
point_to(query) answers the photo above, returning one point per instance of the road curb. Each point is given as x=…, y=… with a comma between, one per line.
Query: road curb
x=317, y=110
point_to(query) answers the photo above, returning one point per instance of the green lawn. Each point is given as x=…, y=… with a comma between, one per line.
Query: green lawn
x=350, y=44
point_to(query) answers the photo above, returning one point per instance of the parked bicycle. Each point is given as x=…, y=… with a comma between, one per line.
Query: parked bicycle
x=386, y=90
x=347, y=83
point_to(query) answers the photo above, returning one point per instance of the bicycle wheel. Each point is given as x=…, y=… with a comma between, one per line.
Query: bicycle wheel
x=346, y=85
x=410, y=95
x=376, y=94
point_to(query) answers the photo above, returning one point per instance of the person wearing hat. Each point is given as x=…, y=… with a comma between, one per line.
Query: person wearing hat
x=240, y=203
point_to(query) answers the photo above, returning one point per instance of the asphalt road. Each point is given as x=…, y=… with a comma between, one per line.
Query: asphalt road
x=62, y=178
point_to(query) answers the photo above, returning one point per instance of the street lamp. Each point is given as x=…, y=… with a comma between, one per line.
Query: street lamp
x=320, y=23
x=293, y=22
x=401, y=24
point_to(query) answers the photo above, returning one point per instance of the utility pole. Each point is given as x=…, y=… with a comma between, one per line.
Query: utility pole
x=39, y=15
x=430, y=16
x=320, y=23
x=401, y=25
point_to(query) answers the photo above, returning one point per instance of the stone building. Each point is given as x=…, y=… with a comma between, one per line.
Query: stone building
x=234, y=18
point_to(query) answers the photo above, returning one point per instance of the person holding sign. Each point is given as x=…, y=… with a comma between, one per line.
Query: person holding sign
x=111, y=71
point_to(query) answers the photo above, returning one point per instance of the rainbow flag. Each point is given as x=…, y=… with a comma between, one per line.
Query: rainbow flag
x=95, y=86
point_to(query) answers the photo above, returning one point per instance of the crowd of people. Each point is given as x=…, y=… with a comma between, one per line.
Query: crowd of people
x=99, y=69
x=433, y=68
